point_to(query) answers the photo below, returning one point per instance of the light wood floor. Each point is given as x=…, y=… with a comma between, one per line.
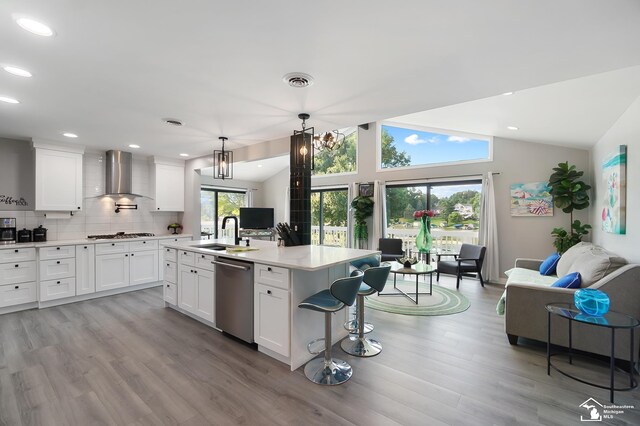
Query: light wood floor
x=127, y=360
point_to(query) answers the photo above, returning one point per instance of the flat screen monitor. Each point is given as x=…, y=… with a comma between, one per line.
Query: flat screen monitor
x=256, y=218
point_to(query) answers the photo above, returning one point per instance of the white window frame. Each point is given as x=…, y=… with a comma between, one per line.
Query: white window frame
x=379, y=125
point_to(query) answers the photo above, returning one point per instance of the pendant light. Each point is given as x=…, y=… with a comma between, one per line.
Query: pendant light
x=222, y=162
x=303, y=149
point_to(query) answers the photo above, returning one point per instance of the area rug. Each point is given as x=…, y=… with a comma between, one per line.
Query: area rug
x=443, y=301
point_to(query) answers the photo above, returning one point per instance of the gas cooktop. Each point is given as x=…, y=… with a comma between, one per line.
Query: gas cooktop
x=120, y=236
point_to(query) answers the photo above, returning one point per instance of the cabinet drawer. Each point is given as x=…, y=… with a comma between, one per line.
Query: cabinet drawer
x=164, y=241
x=170, y=272
x=56, y=269
x=57, y=289
x=17, y=294
x=17, y=255
x=57, y=252
x=272, y=275
x=271, y=318
x=19, y=272
x=187, y=257
x=170, y=293
x=170, y=255
x=109, y=248
x=204, y=261
x=143, y=245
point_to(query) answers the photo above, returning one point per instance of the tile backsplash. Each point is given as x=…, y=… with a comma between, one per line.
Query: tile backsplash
x=98, y=215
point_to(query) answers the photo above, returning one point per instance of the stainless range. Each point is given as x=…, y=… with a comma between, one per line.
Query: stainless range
x=120, y=236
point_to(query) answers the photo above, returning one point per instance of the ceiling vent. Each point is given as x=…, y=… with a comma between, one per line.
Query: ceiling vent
x=298, y=80
x=173, y=121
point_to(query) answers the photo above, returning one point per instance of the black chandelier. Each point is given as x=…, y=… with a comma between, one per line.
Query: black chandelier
x=328, y=141
x=222, y=162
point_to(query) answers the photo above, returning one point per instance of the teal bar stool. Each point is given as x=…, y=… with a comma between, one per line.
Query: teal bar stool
x=374, y=280
x=362, y=264
x=343, y=292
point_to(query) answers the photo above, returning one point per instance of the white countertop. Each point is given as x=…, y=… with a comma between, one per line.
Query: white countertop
x=308, y=258
x=90, y=241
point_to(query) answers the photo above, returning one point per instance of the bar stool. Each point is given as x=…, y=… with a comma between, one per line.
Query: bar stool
x=362, y=264
x=343, y=292
x=374, y=280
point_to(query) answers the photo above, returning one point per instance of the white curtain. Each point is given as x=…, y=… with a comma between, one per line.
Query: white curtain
x=249, y=199
x=353, y=192
x=488, y=235
x=379, y=213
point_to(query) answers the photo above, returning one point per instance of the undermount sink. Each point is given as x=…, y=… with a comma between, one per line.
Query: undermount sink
x=215, y=247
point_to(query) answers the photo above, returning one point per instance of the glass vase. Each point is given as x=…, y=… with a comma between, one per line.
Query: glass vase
x=424, y=240
x=591, y=301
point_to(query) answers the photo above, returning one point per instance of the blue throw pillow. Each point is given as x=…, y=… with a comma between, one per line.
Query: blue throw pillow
x=548, y=267
x=572, y=280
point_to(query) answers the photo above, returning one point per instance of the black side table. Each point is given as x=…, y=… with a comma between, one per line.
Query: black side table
x=611, y=320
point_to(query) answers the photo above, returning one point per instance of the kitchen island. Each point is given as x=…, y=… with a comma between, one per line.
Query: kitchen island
x=282, y=278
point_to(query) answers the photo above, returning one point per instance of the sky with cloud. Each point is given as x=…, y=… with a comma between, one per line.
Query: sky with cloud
x=428, y=148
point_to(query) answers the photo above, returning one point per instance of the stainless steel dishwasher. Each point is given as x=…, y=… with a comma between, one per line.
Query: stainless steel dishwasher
x=234, y=297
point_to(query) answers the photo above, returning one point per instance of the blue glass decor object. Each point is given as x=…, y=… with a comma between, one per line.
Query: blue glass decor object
x=592, y=319
x=591, y=301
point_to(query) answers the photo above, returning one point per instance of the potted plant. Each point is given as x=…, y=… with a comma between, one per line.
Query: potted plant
x=363, y=209
x=569, y=194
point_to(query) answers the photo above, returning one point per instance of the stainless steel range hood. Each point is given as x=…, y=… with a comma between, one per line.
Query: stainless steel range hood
x=119, y=172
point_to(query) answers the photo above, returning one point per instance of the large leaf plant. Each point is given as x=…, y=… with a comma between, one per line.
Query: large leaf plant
x=569, y=194
x=363, y=209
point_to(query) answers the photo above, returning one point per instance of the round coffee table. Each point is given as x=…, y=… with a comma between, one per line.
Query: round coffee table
x=418, y=269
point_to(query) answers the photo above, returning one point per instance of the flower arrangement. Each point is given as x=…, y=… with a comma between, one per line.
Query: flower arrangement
x=422, y=213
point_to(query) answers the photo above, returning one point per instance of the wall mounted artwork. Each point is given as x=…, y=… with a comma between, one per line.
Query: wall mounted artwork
x=531, y=199
x=614, y=178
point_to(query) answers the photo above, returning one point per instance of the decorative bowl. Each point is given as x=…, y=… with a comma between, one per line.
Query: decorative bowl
x=407, y=261
x=591, y=301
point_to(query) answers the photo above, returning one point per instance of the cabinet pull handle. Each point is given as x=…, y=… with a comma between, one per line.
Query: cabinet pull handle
x=126, y=255
x=168, y=286
x=131, y=254
x=17, y=266
x=78, y=207
x=168, y=264
x=269, y=269
x=268, y=291
x=58, y=262
x=17, y=287
x=203, y=256
x=58, y=282
x=85, y=247
x=57, y=248
x=158, y=208
x=192, y=271
x=113, y=244
x=17, y=251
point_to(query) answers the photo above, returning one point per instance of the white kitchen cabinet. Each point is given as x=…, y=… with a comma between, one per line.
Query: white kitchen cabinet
x=196, y=291
x=58, y=180
x=271, y=318
x=143, y=267
x=167, y=185
x=111, y=248
x=57, y=252
x=171, y=293
x=205, y=280
x=170, y=272
x=17, y=255
x=143, y=245
x=19, y=272
x=57, y=289
x=18, y=294
x=187, y=289
x=85, y=269
x=57, y=268
x=112, y=271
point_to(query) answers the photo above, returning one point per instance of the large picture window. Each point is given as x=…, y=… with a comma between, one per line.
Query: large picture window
x=404, y=146
x=329, y=209
x=215, y=204
x=457, y=208
x=342, y=159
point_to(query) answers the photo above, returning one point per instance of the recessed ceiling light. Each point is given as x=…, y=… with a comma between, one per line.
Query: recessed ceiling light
x=298, y=80
x=259, y=165
x=134, y=146
x=173, y=121
x=184, y=155
x=9, y=100
x=17, y=71
x=70, y=135
x=512, y=128
x=33, y=26
x=507, y=94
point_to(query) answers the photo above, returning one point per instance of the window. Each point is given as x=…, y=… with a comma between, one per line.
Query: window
x=457, y=208
x=215, y=204
x=329, y=209
x=402, y=146
x=340, y=160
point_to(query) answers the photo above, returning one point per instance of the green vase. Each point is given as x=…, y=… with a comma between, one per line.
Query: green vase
x=424, y=240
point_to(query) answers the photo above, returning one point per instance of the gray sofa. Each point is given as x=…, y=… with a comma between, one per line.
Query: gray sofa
x=525, y=300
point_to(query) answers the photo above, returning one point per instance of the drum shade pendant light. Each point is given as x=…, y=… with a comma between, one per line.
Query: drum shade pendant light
x=303, y=144
x=222, y=162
